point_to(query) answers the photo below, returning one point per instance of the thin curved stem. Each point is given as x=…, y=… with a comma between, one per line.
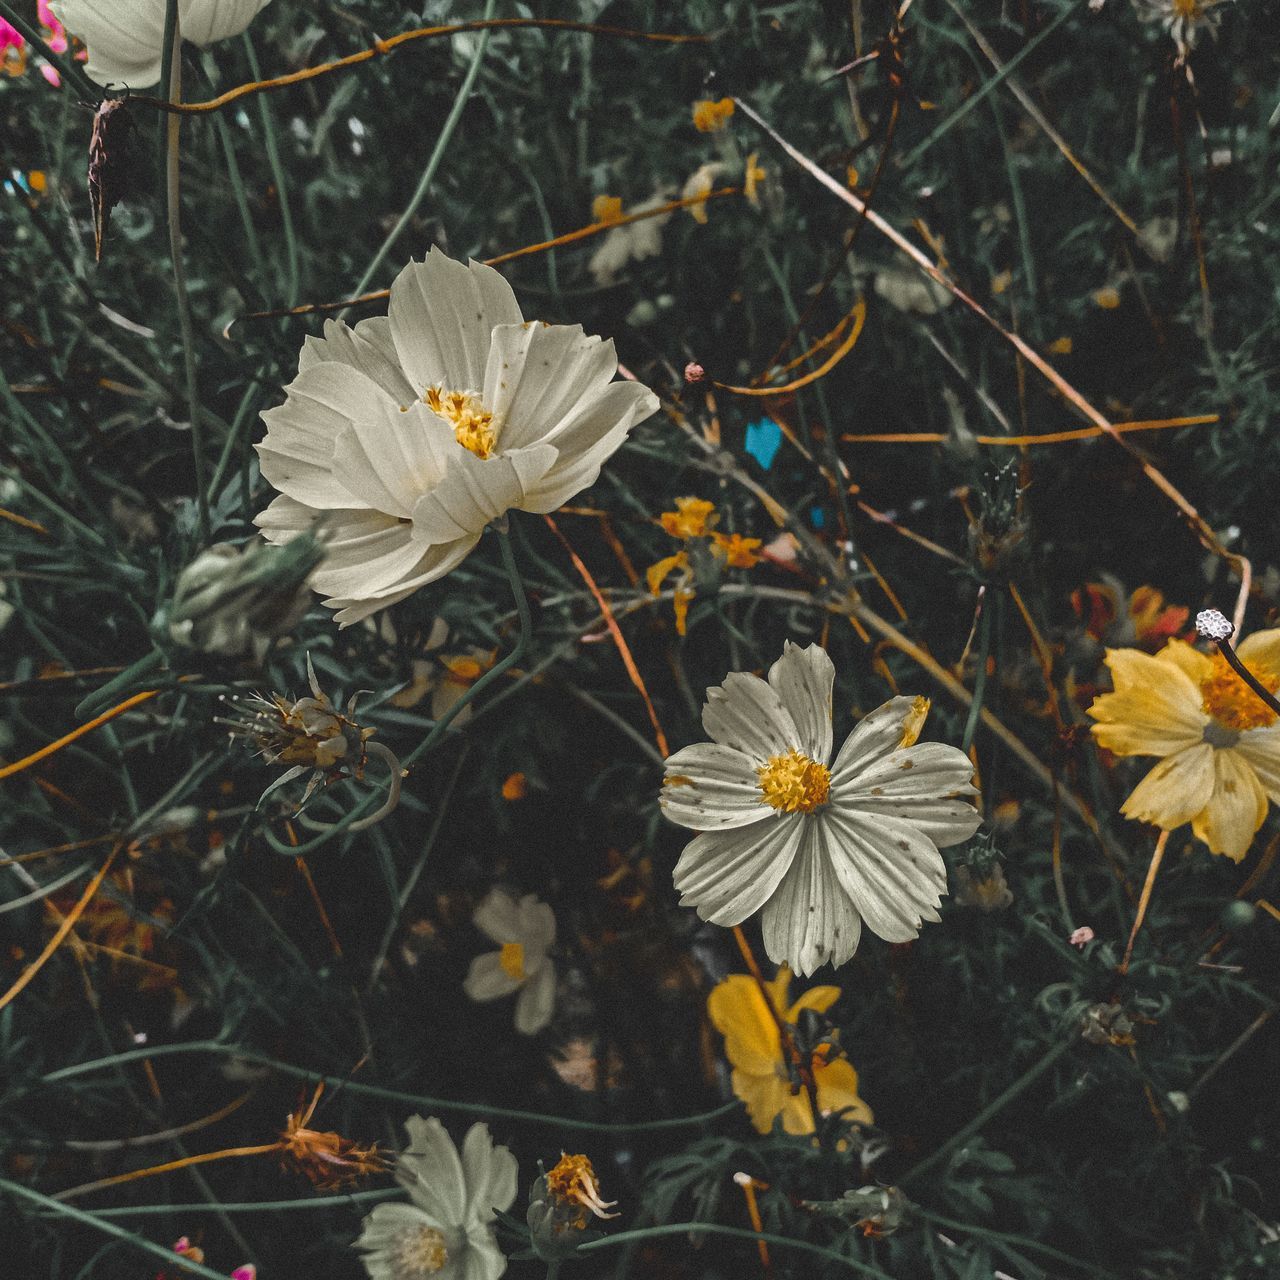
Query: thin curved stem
x=1144, y=901
x=1224, y=647
x=433, y=161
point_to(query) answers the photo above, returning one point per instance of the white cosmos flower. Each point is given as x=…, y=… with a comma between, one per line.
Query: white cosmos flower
x=444, y=1232
x=820, y=845
x=125, y=38
x=525, y=932
x=402, y=438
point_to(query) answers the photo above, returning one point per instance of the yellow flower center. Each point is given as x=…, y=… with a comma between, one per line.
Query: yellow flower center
x=464, y=411
x=794, y=783
x=512, y=960
x=420, y=1252
x=1231, y=702
x=1187, y=9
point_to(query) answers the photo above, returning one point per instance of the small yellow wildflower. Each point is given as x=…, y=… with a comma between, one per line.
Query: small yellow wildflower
x=753, y=1046
x=711, y=117
x=752, y=176
x=692, y=518
x=606, y=209
x=1218, y=742
x=657, y=574
x=738, y=552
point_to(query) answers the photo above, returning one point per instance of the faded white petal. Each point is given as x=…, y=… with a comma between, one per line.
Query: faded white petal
x=442, y=315
x=810, y=920
x=488, y=980
x=875, y=736
x=430, y=1169
x=728, y=875
x=475, y=491
x=747, y=714
x=537, y=1000
x=490, y=1172
x=803, y=679
x=710, y=788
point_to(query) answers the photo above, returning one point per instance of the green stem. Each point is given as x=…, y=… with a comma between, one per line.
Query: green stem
x=433, y=161
x=175, y=1260
x=173, y=126
x=737, y=1233
x=91, y=703
x=980, y=679
x=277, y=176
x=989, y=1112
x=437, y=730
x=357, y=1089
x=355, y=1200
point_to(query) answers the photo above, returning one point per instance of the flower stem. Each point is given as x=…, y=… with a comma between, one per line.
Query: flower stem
x=433, y=161
x=173, y=126
x=1144, y=901
x=1224, y=647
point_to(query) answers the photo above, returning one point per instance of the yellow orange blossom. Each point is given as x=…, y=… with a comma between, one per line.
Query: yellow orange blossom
x=692, y=518
x=711, y=117
x=606, y=209
x=1218, y=742
x=657, y=574
x=753, y=1046
x=572, y=1187
x=738, y=552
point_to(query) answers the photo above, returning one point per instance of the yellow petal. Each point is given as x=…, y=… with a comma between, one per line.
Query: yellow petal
x=765, y=1097
x=797, y=1115
x=738, y=1011
x=819, y=999
x=1155, y=710
x=1197, y=665
x=1261, y=649
x=1175, y=791
x=1236, y=810
x=838, y=1090
x=1261, y=748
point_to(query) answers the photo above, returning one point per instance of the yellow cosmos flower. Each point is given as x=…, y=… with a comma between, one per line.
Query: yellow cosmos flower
x=711, y=117
x=692, y=518
x=1218, y=743
x=754, y=1049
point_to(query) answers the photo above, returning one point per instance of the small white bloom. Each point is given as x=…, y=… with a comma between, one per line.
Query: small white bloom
x=630, y=243
x=819, y=845
x=525, y=931
x=444, y=1232
x=125, y=38
x=1182, y=19
x=402, y=438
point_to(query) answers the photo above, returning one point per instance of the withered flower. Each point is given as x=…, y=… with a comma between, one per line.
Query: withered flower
x=328, y=1160
x=111, y=166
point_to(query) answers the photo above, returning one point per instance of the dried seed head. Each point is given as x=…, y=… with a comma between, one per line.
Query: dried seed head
x=1213, y=625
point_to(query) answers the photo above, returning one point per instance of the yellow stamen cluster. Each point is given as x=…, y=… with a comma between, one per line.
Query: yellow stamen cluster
x=1231, y=702
x=511, y=959
x=711, y=117
x=793, y=783
x=572, y=1186
x=420, y=1252
x=472, y=423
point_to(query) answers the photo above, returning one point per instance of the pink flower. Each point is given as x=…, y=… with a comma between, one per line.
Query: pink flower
x=247, y=1272
x=55, y=32
x=1081, y=936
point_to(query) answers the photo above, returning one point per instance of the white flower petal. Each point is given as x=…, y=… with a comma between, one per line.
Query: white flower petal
x=498, y=917
x=434, y=564
x=728, y=875
x=430, y=1169
x=382, y=1230
x=297, y=453
x=490, y=1171
x=204, y=21
x=537, y=1001
x=367, y=562
x=475, y=491
x=368, y=347
x=123, y=39
x=746, y=713
x=587, y=440
x=482, y=1259
x=536, y=923
x=442, y=315
x=804, y=679
x=924, y=785
x=711, y=788
x=487, y=980
x=875, y=736
x=390, y=457
x=892, y=872
x=538, y=375
x=810, y=920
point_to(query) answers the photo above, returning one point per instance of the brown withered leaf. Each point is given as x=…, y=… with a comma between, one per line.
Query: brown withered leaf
x=110, y=164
